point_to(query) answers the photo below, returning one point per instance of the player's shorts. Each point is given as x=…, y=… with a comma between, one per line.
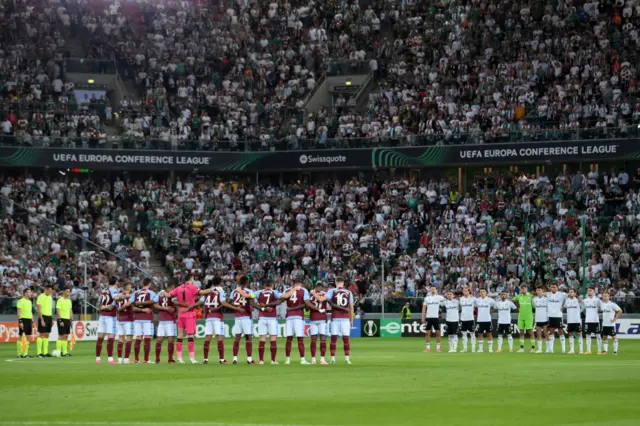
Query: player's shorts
x=592, y=328
x=141, y=328
x=107, y=325
x=25, y=326
x=125, y=328
x=525, y=323
x=46, y=327
x=214, y=327
x=188, y=324
x=318, y=328
x=505, y=329
x=340, y=328
x=555, y=322
x=542, y=324
x=467, y=326
x=267, y=326
x=433, y=324
x=295, y=326
x=452, y=328
x=243, y=326
x=575, y=327
x=609, y=331
x=484, y=327
x=166, y=329
x=328, y=333
x=64, y=327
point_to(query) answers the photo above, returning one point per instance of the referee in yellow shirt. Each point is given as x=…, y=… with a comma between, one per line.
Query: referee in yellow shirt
x=44, y=303
x=25, y=323
x=64, y=312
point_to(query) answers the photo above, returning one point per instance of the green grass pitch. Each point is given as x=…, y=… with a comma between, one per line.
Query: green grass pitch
x=391, y=382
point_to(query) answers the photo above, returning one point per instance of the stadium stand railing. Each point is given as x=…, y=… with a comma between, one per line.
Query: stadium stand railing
x=287, y=144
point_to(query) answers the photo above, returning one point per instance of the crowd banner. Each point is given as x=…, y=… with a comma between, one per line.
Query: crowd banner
x=83, y=331
x=348, y=158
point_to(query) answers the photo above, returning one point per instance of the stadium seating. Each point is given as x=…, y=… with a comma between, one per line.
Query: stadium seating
x=305, y=232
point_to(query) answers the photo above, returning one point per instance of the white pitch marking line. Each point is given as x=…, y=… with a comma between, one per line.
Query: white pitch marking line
x=48, y=423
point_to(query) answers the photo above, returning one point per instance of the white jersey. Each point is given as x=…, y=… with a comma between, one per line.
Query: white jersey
x=484, y=308
x=433, y=305
x=540, y=304
x=453, y=310
x=504, y=311
x=573, y=310
x=468, y=304
x=592, y=307
x=554, y=303
x=609, y=310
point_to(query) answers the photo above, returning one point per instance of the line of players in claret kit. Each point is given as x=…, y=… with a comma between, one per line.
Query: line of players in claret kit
x=542, y=312
x=129, y=316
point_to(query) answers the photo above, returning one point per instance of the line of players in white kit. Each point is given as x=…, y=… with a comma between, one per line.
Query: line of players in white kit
x=548, y=308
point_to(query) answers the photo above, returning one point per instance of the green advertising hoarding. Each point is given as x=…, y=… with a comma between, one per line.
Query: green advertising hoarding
x=390, y=328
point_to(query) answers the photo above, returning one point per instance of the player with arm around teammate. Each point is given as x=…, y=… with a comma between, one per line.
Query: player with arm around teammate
x=107, y=319
x=185, y=297
x=573, y=307
x=485, y=305
x=244, y=298
x=505, y=328
x=431, y=308
x=213, y=303
x=524, y=302
x=592, y=306
x=452, y=319
x=318, y=318
x=555, y=300
x=297, y=299
x=541, y=318
x=143, y=301
x=341, y=301
x=125, y=324
x=166, y=322
x=610, y=314
x=467, y=322
x=319, y=322
x=268, y=300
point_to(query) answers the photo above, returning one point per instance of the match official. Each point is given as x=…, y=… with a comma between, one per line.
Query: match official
x=64, y=313
x=44, y=304
x=25, y=323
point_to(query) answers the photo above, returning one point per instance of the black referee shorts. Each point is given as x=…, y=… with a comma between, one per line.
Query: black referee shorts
x=64, y=327
x=46, y=327
x=25, y=326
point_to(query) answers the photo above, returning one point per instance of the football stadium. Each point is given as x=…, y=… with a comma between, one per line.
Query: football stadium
x=319, y=212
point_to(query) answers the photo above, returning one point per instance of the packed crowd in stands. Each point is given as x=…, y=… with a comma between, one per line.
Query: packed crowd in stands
x=425, y=232
x=215, y=74
x=38, y=106
x=47, y=223
x=503, y=71
x=211, y=75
